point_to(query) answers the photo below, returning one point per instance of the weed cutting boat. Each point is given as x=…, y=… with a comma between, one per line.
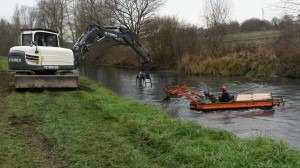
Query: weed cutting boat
x=209, y=102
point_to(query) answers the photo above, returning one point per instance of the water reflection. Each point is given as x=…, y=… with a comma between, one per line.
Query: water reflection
x=280, y=124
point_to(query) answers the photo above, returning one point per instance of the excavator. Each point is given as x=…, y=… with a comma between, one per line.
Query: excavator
x=40, y=62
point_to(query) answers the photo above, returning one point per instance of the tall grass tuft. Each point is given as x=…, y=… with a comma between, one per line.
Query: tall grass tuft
x=287, y=50
x=255, y=61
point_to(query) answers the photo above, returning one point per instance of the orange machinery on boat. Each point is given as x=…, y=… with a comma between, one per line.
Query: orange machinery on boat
x=208, y=102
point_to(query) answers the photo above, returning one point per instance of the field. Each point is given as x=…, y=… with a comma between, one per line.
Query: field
x=260, y=35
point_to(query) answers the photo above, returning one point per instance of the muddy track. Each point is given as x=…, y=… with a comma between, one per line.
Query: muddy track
x=42, y=148
x=25, y=128
x=5, y=89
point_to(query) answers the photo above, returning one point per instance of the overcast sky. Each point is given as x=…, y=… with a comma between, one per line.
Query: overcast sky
x=191, y=10
x=186, y=10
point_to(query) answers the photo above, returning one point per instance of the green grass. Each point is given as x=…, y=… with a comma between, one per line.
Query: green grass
x=93, y=127
x=259, y=35
x=3, y=63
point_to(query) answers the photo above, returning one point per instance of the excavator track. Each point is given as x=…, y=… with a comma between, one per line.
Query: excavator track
x=45, y=81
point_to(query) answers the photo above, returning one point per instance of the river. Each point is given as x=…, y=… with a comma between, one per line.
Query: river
x=282, y=123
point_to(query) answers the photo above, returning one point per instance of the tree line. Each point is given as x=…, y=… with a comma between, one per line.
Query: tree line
x=256, y=24
x=71, y=17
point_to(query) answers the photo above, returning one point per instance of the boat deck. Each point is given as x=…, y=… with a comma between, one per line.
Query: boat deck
x=253, y=97
x=240, y=101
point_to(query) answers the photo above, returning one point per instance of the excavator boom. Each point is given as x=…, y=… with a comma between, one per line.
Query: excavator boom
x=95, y=33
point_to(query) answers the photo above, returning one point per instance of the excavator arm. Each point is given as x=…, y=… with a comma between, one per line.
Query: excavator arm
x=189, y=94
x=95, y=33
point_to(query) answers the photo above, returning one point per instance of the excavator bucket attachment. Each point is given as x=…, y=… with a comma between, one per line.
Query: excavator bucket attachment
x=45, y=81
x=189, y=94
x=168, y=89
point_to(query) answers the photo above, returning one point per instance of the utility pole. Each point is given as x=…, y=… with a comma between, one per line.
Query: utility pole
x=262, y=14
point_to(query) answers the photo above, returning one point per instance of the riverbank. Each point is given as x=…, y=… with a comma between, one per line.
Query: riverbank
x=93, y=127
x=241, y=60
x=253, y=61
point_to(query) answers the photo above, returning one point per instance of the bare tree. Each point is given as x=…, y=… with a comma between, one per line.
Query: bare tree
x=275, y=22
x=92, y=11
x=286, y=21
x=71, y=23
x=134, y=14
x=8, y=36
x=287, y=46
x=169, y=40
x=52, y=15
x=25, y=16
x=286, y=7
x=216, y=14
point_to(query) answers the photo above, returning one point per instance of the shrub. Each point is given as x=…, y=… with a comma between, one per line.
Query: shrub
x=288, y=53
x=254, y=61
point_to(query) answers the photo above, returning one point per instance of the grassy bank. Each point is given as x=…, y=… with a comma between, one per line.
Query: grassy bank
x=3, y=63
x=93, y=127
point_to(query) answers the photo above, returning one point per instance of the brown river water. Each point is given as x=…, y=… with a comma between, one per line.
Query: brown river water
x=281, y=123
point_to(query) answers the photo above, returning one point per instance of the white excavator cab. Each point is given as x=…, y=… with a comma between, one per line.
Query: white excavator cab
x=39, y=37
x=40, y=52
x=39, y=60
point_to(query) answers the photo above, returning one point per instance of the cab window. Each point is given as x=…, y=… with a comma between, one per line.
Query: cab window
x=26, y=39
x=46, y=39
